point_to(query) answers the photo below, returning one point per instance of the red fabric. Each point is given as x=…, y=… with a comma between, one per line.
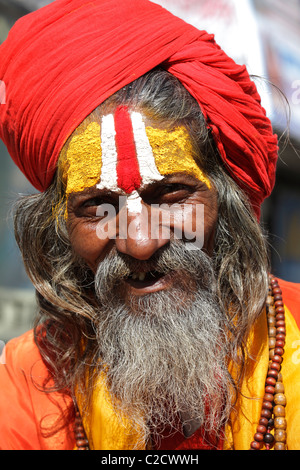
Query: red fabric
x=60, y=62
x=128, y=173
x=200, y=440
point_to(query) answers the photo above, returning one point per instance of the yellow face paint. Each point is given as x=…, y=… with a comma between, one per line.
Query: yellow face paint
x=173, y=152
x=82, y=162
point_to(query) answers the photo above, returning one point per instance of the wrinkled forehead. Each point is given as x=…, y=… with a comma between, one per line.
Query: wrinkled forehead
x=124, y=151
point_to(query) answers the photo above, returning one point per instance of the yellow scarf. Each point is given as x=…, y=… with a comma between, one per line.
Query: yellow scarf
x=106, y=432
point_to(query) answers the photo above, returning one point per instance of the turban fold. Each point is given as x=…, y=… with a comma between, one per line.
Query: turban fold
x=60, y=62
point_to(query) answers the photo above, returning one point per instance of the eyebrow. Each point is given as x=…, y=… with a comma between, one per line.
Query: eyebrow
x=89, y=192
x=94, y=191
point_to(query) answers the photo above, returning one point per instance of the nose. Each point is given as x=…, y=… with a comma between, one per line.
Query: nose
x=138, y=236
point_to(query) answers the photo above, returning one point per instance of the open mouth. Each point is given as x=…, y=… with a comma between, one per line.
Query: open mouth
x=145, y=282
x=142, y=278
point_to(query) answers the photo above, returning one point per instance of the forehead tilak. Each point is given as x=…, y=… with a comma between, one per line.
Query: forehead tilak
x=124, y=154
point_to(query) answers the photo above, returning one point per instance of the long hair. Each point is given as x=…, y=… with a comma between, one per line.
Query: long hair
x=65, y=285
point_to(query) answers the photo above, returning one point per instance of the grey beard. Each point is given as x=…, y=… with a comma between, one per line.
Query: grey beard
x=165, y=358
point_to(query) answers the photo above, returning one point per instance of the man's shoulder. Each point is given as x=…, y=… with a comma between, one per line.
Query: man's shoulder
x=290, y=290
x=290, y=286
x=26, y=340
x=25, y=409
x=291, y=298
x=22, y=353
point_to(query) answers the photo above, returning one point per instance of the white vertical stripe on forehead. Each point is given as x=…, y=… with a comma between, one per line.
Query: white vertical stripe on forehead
x=108, y=177
x=134, y=203
x=148, y=170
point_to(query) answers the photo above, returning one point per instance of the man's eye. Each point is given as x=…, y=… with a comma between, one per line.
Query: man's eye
x=91, y=206
x=168, y=193
x=173, y=188
x=95, y=201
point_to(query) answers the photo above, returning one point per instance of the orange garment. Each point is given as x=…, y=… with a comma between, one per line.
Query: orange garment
x=25, y=410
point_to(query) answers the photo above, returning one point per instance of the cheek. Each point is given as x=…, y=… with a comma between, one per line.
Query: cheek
x=193, y=223
x=199, y=221
x=86, y=244
x=210, y=225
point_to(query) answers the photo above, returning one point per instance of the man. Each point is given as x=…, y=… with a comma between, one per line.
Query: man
x=158, y=325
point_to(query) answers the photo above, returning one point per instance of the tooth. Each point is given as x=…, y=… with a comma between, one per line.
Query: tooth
x=134, y=276
x=142, y=276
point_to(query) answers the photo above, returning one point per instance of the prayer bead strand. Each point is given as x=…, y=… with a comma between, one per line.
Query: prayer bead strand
x=274, y=400
x=82, y=442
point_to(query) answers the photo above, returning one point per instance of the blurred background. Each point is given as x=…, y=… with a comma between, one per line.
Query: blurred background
x=264, y=35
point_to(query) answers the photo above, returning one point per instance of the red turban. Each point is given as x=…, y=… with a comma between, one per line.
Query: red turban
x=60, y=62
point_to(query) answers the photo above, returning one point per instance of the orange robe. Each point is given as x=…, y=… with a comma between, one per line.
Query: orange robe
x=26, y=412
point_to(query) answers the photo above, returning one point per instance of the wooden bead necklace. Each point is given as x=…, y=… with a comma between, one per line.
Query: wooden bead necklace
x=272, y=416
x=273, y=407
x=82, y=442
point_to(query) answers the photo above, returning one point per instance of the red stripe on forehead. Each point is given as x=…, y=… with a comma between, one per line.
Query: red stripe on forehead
x=128, y=173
